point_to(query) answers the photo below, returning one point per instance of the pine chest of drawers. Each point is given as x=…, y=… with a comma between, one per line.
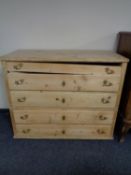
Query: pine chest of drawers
x=64, y=94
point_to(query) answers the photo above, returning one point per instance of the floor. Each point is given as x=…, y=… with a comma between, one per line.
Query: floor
x=57, y=157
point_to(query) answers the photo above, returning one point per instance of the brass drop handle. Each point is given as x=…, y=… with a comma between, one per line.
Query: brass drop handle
x=63, y=83
x=26, y=131
x=100, y=131
x=19, y=82
x=21, y=99
x=24, y=117
x=63, y=100
x=107, y=83
x=109, y=71
x=106, y=100
x=101, y=117
x=63, y=117
x=18, y=66
x=63, y=131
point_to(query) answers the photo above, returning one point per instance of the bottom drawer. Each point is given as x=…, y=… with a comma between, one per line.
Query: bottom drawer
x=63, y=131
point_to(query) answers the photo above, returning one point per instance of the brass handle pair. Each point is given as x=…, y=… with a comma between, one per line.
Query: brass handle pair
x=24, y=117
x=107, y=83
x=26, y=131
x=21, y=99
x=101, y=117
x=63, y=100
x=106, y=100
x=100, y=131
x=18, y=66
x=109, y=71
x=19, y=82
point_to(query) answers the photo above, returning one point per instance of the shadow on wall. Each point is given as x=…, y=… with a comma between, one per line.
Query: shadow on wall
x=110, y=40
x=81, y=42
x=3, y=96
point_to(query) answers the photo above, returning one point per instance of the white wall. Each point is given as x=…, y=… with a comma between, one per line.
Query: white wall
x=60, y=24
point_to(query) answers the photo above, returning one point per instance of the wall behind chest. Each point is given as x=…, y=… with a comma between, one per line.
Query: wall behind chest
x=60, y=24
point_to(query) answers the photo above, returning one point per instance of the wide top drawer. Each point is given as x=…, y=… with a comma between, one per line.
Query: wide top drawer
x=89, y=69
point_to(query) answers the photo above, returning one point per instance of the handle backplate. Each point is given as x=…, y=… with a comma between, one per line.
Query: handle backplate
x=22, y=99
x=19, y=82
x=107, y=83
x=109, y=71
x=18, y=66
x=26, y=131
x=24, y=117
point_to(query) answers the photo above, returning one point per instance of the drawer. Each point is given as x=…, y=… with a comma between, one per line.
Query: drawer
x=59, y=116
x=63, y=131
x=62, y=82
x=63, y=99
x=64, y=68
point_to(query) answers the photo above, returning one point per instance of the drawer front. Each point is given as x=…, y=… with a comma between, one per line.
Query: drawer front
x=59, y=116
x=64, y=68
x=63, y=131
x=63, y=99
x=61, y=82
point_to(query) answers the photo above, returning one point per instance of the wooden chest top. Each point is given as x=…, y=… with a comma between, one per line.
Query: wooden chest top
x=83, y=56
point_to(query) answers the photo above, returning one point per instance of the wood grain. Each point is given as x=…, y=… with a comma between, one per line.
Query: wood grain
x=63, y=116
x=63, y=99
x=64, y=131
x=64, y=94
x=61, y=82
x=64, y=56
x=64, y=68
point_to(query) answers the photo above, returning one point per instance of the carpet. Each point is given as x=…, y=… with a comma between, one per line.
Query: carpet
x=61, y=157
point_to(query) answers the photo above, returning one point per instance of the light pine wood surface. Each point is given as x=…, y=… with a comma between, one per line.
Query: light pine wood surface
x=64, y=56
x=63, y=99
x=62, y=82
x=64, y=94
x=63, y=116
x=64, y=131
x=61, y=68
